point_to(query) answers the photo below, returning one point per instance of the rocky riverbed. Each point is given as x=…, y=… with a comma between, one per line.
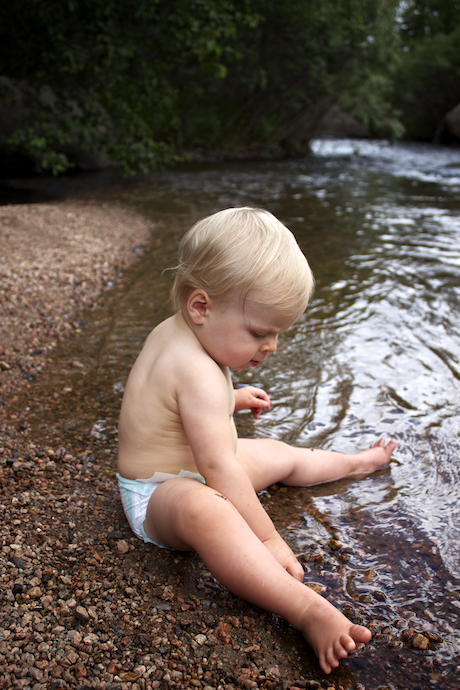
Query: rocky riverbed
x=83, y=602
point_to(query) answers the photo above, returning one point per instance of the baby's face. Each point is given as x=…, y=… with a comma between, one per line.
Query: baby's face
x=242, y=338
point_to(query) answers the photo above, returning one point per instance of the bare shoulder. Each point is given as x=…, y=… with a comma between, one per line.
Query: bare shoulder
x=173, y=358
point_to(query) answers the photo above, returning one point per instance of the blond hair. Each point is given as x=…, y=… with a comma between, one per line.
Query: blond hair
x=238, y=250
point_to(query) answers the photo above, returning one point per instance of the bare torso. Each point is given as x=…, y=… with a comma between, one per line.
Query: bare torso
x=151, y=435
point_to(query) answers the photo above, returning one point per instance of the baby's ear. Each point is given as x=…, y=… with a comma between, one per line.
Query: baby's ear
x=197, y=306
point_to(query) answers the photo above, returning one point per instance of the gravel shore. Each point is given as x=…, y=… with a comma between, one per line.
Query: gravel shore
x=83, y=602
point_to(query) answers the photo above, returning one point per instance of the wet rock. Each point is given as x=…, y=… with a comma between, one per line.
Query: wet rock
x=433, y=637
x=419, y=641
x=335, y=544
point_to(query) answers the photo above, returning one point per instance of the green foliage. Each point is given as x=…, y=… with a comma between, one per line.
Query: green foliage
x=423, y=18
x=371, y=104
x=369, y=94
x=140, y=81
x=101, y=73
x=293, y=65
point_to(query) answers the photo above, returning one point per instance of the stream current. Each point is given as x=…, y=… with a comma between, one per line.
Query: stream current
x=377, y=353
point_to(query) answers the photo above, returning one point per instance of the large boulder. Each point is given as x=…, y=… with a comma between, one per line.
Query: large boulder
x=449, y=130
x=340, y=124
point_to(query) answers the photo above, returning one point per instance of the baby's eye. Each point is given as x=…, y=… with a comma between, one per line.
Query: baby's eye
x=257, y=335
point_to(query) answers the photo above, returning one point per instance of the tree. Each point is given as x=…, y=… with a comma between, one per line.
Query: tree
x=142, y=81
x=295, y=63
x=101, y=72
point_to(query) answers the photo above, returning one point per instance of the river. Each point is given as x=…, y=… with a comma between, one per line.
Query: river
x=376, y=354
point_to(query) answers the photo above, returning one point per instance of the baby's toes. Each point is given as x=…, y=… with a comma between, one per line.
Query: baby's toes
x=332, y=658
x=343, y=647
x=360, y=634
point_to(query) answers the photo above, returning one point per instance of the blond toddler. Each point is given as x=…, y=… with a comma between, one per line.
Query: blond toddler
x=186, y=481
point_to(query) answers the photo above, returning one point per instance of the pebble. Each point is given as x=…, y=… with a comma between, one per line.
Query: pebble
x=82, y=614
x=122, y=546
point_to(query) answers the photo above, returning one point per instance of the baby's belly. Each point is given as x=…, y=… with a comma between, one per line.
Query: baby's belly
x=141, y=463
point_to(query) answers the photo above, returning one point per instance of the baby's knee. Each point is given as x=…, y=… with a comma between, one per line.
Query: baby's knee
x=208, y=507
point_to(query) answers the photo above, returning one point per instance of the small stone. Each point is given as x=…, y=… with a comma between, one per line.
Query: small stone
x=116, y=534
x=420, y=642
x=335, y=544
x=130, y=676
x=273, y=673
x=58, y=685
x=46, y=601
x=91, y=638
x=81, y=614
x=35, y=593
x=122, y=546
x=200, y=639
x=18, y=562
x=35, y=673
x=80, y=671
x=70, y=658
x=112, y=668
x=407, y=635
x=433, y=637
x=315, y=587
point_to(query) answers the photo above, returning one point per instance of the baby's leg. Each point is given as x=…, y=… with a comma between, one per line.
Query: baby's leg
x=267, y=461
x=187, y=515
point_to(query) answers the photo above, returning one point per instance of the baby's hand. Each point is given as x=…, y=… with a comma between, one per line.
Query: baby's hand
x=251, y=398
x=284, y=555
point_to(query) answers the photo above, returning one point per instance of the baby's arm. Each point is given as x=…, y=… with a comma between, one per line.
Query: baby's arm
x=204, y=409
x=251, y=398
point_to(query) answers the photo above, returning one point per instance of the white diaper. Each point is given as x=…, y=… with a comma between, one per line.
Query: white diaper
x=135, y=496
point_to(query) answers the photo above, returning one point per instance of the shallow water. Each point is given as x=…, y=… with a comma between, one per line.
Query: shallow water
x=377, y=353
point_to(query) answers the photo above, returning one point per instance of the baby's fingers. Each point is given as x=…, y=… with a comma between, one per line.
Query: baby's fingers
x=261, y=405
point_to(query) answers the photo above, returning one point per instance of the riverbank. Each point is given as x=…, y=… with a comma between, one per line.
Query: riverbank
x=83, y=602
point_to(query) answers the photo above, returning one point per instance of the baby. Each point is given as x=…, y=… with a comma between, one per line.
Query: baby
x=186, y=481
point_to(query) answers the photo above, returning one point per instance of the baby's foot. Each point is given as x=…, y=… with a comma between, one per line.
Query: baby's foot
x=330, y=634
x=378, y=455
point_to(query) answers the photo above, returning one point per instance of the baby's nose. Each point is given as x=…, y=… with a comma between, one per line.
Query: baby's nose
x=270, y=344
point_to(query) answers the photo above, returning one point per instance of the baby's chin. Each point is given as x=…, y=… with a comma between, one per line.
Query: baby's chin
x=244, y=367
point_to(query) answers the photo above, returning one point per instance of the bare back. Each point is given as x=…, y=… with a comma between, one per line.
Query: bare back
x=151, y=434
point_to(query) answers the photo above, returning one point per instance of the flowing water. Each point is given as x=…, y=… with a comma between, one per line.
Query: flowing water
x=377, y=353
